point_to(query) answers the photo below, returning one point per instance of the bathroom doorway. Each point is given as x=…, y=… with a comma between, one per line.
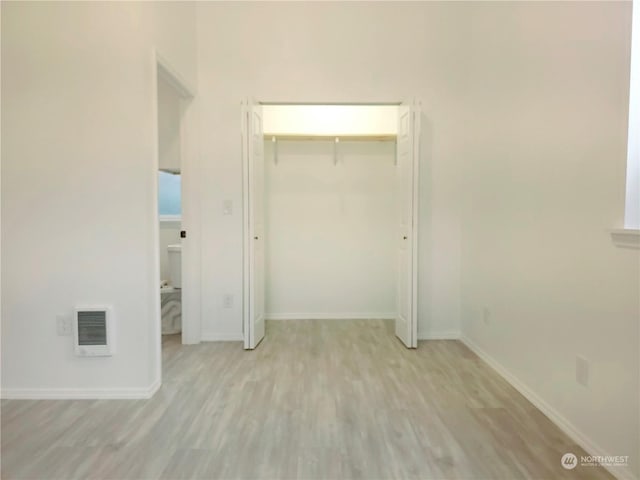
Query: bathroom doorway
x=169, y=208
x=175, y=245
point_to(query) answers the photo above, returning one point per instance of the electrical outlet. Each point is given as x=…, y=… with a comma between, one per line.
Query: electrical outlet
x=227, y=301
x=227, y=207
x=582, y=371
x=63, y=325
x=486, y=315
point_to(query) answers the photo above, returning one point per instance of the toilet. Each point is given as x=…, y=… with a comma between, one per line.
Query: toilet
x=171, y=293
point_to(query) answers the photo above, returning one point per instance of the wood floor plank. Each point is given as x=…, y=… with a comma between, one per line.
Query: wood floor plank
x=318, y=399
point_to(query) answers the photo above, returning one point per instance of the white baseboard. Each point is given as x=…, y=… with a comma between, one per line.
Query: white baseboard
x=621, y=473
x=330, y=316
x=79, y=393
x=447, y=335
x=221, y=337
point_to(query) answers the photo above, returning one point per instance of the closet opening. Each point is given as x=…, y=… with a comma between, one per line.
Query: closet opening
x=330, y=214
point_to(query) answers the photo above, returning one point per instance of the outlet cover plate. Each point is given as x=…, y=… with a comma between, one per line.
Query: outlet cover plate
x=486, y=315
x=582, y=371
x=227, y=301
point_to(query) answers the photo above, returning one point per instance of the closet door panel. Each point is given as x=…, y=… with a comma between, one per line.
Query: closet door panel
x=253, y=149
x=406, y=185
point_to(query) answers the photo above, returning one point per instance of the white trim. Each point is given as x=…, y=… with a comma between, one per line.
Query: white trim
x=330, y=316
x=446, y=335
x=621, y=473
x=80, y=393
x=416, y=111
x=221, y=337
x=154, y=275
x=190, y=222
x=626, y=237
x=246, y=271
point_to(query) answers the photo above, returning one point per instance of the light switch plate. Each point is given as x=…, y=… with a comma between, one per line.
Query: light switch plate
x=227, y=207
x=63, y=325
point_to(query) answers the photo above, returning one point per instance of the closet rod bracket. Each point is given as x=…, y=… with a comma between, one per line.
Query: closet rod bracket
x=274, y=140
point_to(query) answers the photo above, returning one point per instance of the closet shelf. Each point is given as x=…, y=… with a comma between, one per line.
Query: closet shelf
x=332, y=138
x=335, y=139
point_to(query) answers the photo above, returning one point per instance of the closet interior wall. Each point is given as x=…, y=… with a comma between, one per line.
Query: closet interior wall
x=330, y=229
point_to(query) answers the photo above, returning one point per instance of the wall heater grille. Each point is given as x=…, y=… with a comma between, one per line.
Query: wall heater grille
x=93, y=331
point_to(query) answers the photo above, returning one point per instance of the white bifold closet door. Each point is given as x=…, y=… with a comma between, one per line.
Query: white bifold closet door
x=407, y=157
x=254, y=251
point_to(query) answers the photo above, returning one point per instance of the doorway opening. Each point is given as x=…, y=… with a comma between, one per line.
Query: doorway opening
x=330, y=214
x=169, y=208
x=173, y=100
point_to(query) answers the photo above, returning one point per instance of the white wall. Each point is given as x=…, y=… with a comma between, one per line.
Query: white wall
x=168, y=126
x=330, y=119
x=324, y=53
x=330, y=230
x=544, y=181
x=78, y=176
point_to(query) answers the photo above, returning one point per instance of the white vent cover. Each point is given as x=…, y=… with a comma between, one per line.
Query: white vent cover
x=93, y=332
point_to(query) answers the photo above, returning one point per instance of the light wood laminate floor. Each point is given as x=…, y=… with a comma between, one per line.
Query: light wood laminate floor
x=317, y=400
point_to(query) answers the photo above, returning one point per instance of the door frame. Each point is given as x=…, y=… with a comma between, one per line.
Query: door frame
x=417, y=111
x=191, y=328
